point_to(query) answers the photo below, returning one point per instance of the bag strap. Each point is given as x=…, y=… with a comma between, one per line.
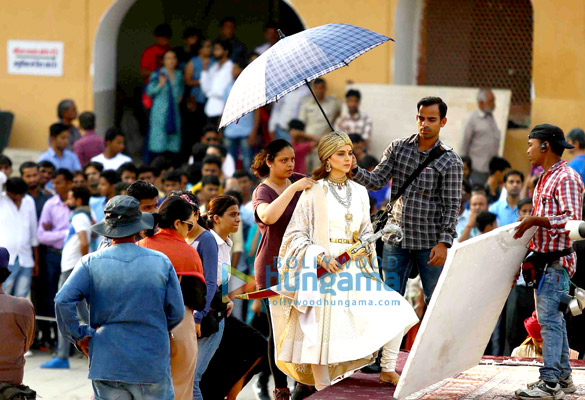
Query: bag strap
x=434, y=154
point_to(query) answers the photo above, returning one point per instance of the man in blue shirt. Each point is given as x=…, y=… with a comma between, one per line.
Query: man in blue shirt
x=237, y=133
x=134, y=300
x=58, y=154
x=507, y=209
x=576, y=137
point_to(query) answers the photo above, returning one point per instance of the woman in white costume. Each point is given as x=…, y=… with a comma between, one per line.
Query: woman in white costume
x=325, y=330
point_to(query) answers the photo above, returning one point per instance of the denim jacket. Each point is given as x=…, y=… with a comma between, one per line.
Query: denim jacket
x=134, y=299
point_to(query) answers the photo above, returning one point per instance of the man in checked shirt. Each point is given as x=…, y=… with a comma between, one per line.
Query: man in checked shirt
x=428, y=210
x=558, y=198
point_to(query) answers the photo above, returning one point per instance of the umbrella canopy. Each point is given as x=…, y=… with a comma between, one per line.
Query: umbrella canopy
x=294, y=61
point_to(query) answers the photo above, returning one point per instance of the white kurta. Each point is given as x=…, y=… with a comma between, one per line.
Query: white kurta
x=350, y=315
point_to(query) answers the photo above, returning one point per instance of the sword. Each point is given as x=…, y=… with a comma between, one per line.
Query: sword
x=362, y=245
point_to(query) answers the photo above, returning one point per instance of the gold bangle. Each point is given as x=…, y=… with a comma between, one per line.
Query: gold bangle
x=320, y=258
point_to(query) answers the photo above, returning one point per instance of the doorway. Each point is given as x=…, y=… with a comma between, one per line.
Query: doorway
x=125, y=30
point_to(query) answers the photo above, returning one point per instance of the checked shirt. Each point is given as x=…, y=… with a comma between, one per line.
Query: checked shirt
x=360, y=123
x=558, y=196
x=427, y=211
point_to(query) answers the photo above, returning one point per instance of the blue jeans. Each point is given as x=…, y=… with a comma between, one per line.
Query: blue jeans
x=397, y=263
x=206, y=349
x=109, y=390
x=240, y=146
x=18, y=283
x=63, y=345
x=555, y=346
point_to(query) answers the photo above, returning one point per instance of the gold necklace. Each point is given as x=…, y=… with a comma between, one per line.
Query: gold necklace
x=340, y=182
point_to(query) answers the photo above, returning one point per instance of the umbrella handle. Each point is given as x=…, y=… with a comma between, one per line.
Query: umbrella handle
x=319, y=104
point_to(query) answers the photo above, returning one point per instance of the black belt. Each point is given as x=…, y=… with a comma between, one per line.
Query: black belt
x=535, y=265
x=54, y=250
x=553, y=256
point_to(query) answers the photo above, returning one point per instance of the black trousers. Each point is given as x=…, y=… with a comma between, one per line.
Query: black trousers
x=240, y=347
x=280, y=379
x=519, y=306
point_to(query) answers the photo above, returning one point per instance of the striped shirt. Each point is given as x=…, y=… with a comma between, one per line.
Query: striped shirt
x=558, y=196
x=427, y=211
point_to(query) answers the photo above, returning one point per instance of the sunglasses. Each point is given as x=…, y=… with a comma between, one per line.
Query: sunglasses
x=190, y=225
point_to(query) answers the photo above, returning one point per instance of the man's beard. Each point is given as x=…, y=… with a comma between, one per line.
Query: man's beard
x=71, y=207
x=34, y=187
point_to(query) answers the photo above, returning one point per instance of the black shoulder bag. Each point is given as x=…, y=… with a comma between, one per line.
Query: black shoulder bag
x=381, y=217
x=11, y=391
x=217, y=312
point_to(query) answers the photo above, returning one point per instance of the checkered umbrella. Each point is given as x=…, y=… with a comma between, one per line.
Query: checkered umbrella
x=294, y=61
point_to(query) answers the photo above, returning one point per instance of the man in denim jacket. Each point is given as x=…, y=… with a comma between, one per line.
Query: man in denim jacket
x=134, y=299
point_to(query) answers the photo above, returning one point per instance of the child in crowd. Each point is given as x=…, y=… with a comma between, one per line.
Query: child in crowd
x=486, y=221
x=121, y=188
x=171, y=181
x=128, y=172
x=5, y=165
x=525, y=207
x=210, y=135
x=228, y=163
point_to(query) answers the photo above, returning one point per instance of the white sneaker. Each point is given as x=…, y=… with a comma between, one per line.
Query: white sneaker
x=567, y=385
x=28, y=354
x=540, y=390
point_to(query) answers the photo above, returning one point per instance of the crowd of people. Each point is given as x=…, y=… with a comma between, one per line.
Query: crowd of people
x=80, y=224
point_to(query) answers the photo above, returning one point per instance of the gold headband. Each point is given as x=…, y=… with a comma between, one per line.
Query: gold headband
x=331, y=142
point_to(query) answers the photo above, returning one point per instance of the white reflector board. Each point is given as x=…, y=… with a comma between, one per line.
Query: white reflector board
x=464, y=309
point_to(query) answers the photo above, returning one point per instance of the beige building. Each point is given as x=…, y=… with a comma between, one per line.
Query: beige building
x=533, y=47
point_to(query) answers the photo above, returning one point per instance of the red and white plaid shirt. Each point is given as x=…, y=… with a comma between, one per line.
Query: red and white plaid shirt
x=558, y=196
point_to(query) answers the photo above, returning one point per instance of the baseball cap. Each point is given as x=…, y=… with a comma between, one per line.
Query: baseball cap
x=550, y=133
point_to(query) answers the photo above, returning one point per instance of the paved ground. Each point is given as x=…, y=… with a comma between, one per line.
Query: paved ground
x=72, y=384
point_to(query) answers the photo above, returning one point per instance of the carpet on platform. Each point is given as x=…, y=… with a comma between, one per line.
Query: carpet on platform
x=496, y=378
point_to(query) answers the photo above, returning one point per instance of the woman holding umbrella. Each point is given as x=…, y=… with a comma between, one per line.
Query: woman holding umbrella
x=274, y=202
